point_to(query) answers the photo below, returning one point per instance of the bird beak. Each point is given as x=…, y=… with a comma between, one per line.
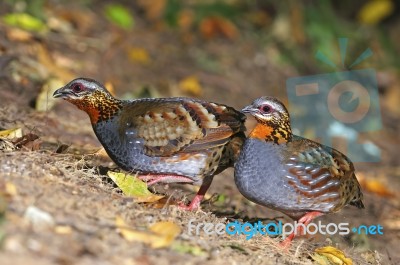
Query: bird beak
x=249, y=109
x=59, y=93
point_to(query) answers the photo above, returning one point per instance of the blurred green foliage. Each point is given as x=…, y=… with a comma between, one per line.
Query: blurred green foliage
x=297, y=30
x=119, y=15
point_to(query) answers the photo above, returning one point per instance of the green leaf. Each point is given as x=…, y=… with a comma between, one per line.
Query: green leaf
x=186, y=248
x=24, y=21
x=119, y=15
x=133, y=187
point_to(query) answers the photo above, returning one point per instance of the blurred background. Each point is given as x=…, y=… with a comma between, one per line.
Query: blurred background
x=227, y=51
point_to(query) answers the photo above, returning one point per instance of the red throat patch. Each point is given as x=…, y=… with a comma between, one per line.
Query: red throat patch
x=261, y=132
x=98, y=106
x=265, y=132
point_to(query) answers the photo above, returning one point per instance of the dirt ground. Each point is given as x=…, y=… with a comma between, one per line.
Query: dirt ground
x=72, y=187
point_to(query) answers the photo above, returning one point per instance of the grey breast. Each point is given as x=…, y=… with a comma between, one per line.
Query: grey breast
x=262, y=176
x=127, y=151
x=259, y=174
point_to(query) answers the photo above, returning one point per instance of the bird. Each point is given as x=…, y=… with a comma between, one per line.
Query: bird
x=291, y=174
x=163, y=140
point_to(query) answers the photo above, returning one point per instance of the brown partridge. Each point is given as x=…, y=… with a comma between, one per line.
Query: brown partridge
x=164, y=140
x=291, y=174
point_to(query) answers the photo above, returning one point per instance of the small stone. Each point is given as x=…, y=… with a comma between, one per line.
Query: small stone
x=38, y=218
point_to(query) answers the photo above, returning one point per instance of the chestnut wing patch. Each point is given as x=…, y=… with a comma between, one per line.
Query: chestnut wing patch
x=316, y=171
x=167, y=128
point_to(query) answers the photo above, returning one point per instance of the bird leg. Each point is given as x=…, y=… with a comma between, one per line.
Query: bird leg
x=195, y=203
x=152, y=179
x=306, y=219
x=156, y=178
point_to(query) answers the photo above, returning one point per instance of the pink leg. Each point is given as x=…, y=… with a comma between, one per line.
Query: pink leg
x=195, y=203
x=153, y=179
x=306, y=219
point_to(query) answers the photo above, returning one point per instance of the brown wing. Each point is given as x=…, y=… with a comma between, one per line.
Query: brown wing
x=169, y=126
x=322, y=173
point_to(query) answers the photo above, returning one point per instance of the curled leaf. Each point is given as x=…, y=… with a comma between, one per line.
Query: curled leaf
x=331, y=256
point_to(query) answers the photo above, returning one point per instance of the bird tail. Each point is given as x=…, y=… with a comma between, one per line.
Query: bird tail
x=358, y=195
x=359, y=204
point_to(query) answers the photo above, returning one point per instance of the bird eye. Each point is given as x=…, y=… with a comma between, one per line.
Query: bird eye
x=77, y=88
x=266, y=109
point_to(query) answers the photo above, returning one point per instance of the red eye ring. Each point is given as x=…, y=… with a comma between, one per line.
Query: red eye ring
x=77, y=88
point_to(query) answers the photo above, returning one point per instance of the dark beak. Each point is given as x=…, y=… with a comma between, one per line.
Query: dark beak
x=249, y=109
x=60, y=93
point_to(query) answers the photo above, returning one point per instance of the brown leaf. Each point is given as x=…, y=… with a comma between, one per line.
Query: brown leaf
x=185, y=19
x=377, y=187
x=154, y=9
x=28, y=141
x=161, y=234
x=213, y=26
x=139, y=55
x=18, y=35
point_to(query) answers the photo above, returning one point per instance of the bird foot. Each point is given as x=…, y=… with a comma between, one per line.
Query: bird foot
x=194, y=204
x=285, y=244
x=306, y=219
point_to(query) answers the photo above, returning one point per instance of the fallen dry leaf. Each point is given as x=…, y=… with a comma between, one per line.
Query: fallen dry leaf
x=63, y=229
x=11, y=133
x=185, y=19
x=331, y=256
x=18, y=35
x=374, y=185
x=191, y=85
x=375, y=11
x=28, y=140
x=45, y=100
x=161, y=234
x=213, y=26
x=139, y=55
x=7, y=189
x=133, y=187
x=154, y=9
